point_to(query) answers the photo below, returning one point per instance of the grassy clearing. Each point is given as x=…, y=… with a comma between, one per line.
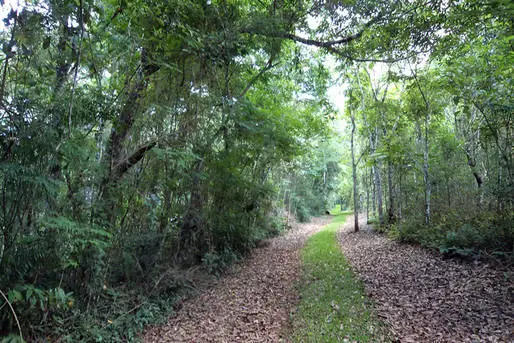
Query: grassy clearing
x=336, y=211
x=333, y=306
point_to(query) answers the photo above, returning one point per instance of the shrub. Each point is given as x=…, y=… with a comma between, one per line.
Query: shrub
x=216, y=262
x=302, y=214
x=47, y=307
x=484, y=234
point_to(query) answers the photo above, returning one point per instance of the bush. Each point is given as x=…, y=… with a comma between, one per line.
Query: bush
x=275, y=223
x=47, y=307
x=303, y=214
x=416, y=232
x=119, y=316
x=216, y=262
x=484, y=234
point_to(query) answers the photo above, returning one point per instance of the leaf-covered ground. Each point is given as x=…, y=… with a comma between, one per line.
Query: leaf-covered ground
x=425, y=298
x=251, y=303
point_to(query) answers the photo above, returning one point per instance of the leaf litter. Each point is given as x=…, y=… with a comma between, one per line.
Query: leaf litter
x=425, y=298
x=251, y=302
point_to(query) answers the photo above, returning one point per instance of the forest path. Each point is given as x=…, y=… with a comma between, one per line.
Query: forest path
x=251, y=302
x=425, y=298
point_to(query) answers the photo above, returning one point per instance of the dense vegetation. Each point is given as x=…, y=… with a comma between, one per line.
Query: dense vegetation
x=140, y=138
x=432, y=145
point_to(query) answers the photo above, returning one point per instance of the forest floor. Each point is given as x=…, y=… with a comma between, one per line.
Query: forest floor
x=418, y=294
x=252, y=302
x=426, y=298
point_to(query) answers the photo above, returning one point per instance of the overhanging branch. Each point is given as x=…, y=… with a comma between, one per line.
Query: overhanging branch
x=320, y=44
x=267, y=67
x=129, y=162
x=332, y=46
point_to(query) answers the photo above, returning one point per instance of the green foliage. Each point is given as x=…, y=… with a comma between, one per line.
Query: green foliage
x=486, y=234
x=303, y=215
x=416, y=232
x=120, y=316
x=117, y=167
x=313, y=189
x=216, y=263
x=47, y=307
x=138, y=137
x=436, y=139
x=331, y=307
x=12, y=339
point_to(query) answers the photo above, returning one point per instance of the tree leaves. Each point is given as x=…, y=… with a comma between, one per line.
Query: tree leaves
x=419, y=293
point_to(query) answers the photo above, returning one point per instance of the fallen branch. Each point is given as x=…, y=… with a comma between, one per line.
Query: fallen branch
x=14, y=314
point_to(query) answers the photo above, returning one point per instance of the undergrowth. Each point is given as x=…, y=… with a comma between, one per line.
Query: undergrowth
x=488, y=235
x=110, y=294
x=333, y=305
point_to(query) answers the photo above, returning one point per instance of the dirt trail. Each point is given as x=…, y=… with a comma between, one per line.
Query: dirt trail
x=425, y=298
x=251, y=303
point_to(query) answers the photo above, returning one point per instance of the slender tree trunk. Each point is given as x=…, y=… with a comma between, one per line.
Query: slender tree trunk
x=192, y=225
x=426, y=175
x=499, y=206
x=390, y=210
x=377, y=183
x=476, y=175
x=378, y=189
x=449, y=196
x=400, y=190
x=373, y=193
x=367, y=199
x=377, y=166
x=354, y=175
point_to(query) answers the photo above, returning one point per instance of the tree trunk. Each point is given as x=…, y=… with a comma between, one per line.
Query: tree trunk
x=373, y=191
x=390, y=204
x=499, y=198
x=426, y=175
x=115, y=161
x=400, y=190
x=367, y=198
x=191, y=247
x=476, y=175
x=354, y=175
x=378, y=195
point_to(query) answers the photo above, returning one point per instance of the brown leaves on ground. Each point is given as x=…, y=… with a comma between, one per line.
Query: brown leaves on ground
x=425, y=298
x=251, y=303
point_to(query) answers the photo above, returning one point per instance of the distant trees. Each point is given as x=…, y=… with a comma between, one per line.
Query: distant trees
x=423, y=127
x=430, y=135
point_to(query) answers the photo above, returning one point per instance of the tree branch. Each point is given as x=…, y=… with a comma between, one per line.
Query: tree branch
x=318, y=43
x=267, y=67
x=330, y=45
x=79, y=55
x=14, y=314
x=129, y=162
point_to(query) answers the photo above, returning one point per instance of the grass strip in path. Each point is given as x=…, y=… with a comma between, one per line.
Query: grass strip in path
x=333, y=306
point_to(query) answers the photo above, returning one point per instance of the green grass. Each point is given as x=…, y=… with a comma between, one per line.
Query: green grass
x=333, y=306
